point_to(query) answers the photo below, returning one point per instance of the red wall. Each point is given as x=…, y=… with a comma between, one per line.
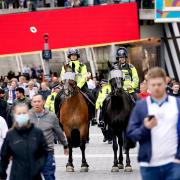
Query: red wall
x=69, y=27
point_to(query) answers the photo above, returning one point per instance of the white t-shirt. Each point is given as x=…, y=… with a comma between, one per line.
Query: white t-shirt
x=3, y=130
x=164, y=136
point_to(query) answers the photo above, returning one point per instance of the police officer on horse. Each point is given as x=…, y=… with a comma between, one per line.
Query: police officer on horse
x=130, y=75
x=130, y=80
x=73, y=55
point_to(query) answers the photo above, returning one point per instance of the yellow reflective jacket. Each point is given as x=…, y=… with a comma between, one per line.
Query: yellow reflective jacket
x=106, y=89
x=81, y=73
x=50, y=102
x=131, y=78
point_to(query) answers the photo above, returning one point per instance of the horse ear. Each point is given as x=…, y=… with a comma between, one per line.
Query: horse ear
x=73, y=67
x=109, y=65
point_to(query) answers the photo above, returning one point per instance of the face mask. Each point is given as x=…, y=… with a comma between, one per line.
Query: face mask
x=22, y=119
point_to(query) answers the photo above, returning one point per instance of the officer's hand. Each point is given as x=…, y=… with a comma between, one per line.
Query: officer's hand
x=66, y=151
x=129, y=88
x=149, y=124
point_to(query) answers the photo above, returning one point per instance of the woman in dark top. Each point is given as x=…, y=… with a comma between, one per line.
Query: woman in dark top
x=27, y=147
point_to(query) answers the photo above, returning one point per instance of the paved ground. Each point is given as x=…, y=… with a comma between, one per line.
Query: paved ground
x=100, y=159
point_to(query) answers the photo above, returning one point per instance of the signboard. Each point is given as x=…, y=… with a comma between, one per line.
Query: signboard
x=163, y=15
x=171, y=5
x=74, y=27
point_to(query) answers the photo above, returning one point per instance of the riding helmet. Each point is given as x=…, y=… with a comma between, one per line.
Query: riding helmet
x=73, y=51
x=121, y=53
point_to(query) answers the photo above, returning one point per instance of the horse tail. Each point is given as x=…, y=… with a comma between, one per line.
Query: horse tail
x=75, y=137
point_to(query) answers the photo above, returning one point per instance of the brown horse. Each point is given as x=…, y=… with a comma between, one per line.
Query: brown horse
x=74, y=117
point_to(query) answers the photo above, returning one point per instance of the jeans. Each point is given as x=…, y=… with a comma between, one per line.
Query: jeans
x=169, y=171
x=49, y=168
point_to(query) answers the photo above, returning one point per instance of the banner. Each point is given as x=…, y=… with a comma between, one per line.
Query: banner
x=171, y=5
x=20, y=33
x=163, y=15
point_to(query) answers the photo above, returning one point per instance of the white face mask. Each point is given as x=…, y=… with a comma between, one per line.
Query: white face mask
x=22, y=119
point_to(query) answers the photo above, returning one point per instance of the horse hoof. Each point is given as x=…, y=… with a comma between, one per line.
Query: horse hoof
x=84, y=169
x=115, y=169
x=69, y=169
x=120, y=166
x=128, y=169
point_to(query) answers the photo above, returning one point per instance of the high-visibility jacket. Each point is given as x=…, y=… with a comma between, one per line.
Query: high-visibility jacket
x=130, y=76
x=50, y=102
x=81, y=73
x=103, y=93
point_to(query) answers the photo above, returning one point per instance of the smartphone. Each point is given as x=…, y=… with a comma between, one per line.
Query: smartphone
x=150, y=117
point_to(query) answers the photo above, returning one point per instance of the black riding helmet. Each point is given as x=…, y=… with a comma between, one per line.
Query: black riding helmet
x=73, y=51
x=121, y=53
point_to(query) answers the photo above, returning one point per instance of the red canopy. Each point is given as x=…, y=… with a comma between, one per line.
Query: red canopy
x=68, y=27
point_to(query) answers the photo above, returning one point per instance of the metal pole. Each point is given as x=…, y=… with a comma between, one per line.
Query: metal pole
x=42, y=62
x=66, y=58
x=18, y=65
x=21, y=63
x=46, y=57
x=90, y=60
x=112, y=52
x=94, y=62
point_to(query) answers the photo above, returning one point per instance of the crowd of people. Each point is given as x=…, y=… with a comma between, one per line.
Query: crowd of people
x=29, y=107
x=34, y=4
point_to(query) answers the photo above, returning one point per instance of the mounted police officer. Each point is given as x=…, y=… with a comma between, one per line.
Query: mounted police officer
x=102, y=95
x=73, y=55
x=130, y=75
x=130, y=80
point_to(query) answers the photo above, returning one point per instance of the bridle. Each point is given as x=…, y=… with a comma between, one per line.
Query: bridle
x=70, y=88
x=116, y=81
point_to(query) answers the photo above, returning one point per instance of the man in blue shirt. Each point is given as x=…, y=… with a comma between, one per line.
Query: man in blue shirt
x=155, y=124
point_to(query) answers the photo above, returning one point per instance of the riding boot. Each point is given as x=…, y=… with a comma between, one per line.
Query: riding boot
x=101, y=123
x=102, y=114
x=91, y=105
x=57, y=104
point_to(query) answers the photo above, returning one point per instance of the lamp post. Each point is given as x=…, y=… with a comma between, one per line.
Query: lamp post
x=47, y=55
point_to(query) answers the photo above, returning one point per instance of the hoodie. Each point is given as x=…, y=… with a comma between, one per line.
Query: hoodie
x=48, y=122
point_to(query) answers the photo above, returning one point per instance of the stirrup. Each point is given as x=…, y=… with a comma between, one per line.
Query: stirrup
x=93, y=121
x=101, y=124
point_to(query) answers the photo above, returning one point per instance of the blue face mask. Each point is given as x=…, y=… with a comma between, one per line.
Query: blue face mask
x=22, y=119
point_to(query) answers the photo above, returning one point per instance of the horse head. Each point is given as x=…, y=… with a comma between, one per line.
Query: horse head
x=70, y=84
x=115, y=78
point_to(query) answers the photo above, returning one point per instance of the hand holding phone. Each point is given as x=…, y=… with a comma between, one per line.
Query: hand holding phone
x=150, y=122
x=150, y=117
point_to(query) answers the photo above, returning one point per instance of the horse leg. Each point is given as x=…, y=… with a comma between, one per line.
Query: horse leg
x=84, y=165
x=128, y=167
x=120, y=142
x=109, y=135
x=87, y=140
x=69, y=165
x=115, y=149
